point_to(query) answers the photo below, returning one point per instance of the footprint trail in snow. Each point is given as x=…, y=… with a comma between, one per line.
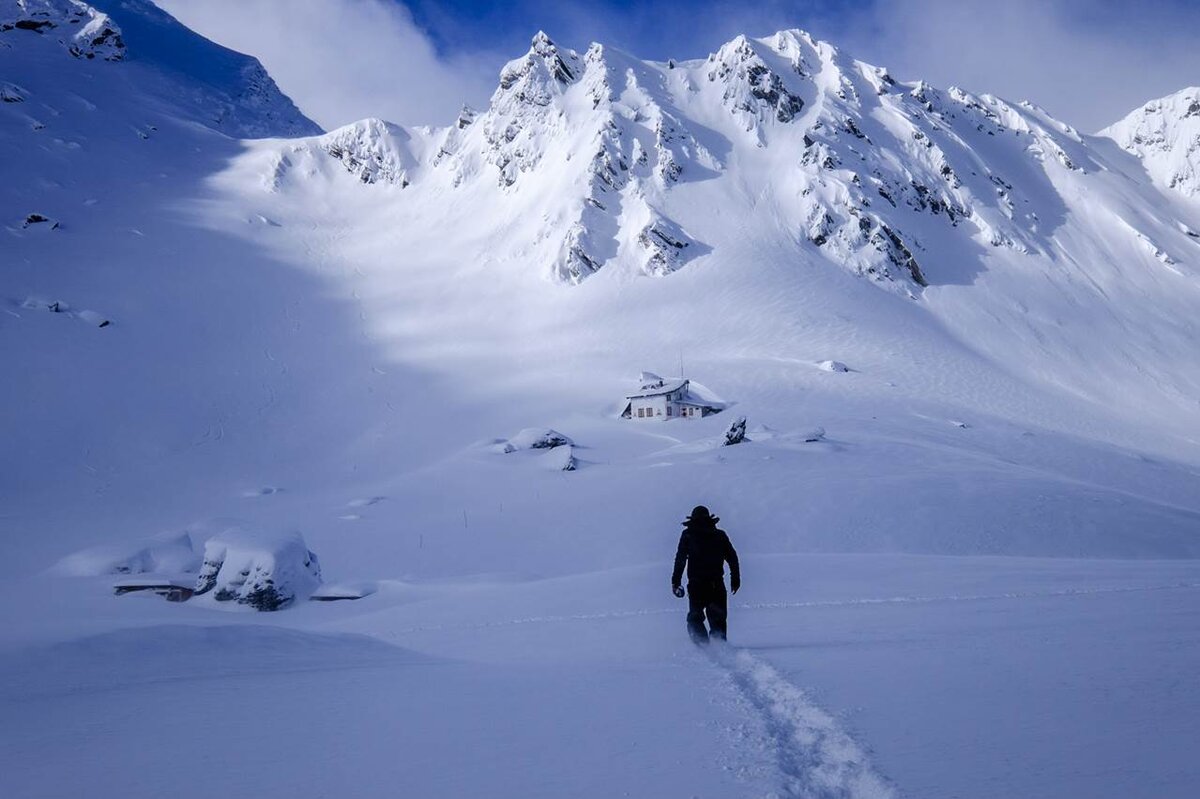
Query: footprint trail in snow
x=817, y=759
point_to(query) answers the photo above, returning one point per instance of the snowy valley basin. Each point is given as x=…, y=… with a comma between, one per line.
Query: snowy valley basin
x=329, y=470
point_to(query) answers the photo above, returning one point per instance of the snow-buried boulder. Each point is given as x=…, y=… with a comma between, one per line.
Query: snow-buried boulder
x=538, y=438
x=265, y=572
x=169, y=553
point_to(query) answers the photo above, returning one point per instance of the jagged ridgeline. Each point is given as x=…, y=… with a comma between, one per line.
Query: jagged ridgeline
x=882, y=178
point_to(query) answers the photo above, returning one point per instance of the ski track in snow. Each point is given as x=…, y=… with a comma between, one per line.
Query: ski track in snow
x=816, y=758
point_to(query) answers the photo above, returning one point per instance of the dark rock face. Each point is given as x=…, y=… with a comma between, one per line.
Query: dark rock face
x=39, y=219
x=107, y=41
x=750, y=85
x=35, y=25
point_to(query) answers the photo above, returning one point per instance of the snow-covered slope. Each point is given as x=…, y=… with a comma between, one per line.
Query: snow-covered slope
x=166, y=62
x=992, y=278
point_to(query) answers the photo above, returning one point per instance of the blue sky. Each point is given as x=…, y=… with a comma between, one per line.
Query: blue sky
x=658, y=29
x=1089, y=62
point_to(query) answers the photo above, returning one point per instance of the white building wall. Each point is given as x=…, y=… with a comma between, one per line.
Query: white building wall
x=655, y=405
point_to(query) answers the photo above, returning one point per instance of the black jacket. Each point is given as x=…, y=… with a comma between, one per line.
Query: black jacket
x=705, y=548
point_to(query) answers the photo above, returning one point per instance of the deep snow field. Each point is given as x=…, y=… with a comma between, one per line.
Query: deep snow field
x=969, y=562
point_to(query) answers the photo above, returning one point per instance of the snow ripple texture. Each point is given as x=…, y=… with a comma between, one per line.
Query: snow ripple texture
x=817, y=759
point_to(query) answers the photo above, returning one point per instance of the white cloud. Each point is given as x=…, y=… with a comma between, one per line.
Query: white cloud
x=342, y=60
x=1087, y=63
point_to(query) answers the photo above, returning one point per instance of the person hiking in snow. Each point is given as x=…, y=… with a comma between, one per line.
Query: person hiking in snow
x=705, y=548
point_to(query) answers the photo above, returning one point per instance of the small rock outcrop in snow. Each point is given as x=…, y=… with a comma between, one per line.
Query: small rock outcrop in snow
x=555, y=451
x=38, y=220
x=666, y=246
x=12, y=93
x=736, y=433
x=264, y=572
x=170, y=553
x=833, y=366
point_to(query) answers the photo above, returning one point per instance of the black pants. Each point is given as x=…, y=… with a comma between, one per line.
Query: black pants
x=707, y=598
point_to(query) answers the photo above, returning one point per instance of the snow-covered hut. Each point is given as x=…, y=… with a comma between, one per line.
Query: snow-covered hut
x=665, y=398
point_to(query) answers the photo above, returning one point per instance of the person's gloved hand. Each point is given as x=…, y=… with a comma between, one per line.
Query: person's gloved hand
x=677, y=590
x=734, y=584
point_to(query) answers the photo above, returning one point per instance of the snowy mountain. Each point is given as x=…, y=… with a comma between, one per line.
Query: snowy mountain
x=1165, y=135
x=602, y=215
x=598, y=161
x=167, y=63
x=955, y=327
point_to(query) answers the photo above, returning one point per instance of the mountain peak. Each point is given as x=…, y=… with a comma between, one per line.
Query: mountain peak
x=1165, y=135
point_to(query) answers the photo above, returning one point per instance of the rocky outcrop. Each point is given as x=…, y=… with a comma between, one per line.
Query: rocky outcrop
x=752, y=90
x=667, y=247
x=736, y=433
x=522, y=112
x=372, y=150
x=86, y=32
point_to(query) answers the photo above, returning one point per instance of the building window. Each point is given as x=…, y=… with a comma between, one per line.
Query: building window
x=668, y=410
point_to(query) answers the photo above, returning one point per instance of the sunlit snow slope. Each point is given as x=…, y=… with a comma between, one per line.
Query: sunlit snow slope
x=299, y=327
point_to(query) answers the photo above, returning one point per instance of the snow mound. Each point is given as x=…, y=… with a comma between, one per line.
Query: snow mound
x=169, y=553
x=12, y=93
x=833, y=366
x=538, y=438
x=560, y=459
x=334, y=592
x=265, y=572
